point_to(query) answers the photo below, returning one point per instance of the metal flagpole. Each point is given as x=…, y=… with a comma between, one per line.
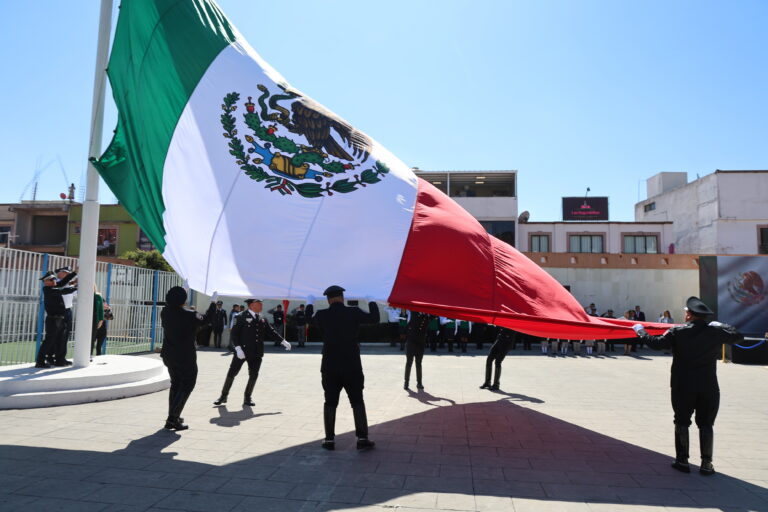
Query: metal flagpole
x=90, y=220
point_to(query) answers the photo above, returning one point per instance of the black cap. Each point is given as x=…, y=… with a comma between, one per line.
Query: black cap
x=218, y=302
x=333, y=291
x=63, y=269
x=697, y=307
x=176, y=296
x=48, y=275
x=248, y=301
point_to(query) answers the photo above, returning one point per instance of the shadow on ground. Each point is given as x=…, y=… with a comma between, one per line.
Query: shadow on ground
x=489, y=449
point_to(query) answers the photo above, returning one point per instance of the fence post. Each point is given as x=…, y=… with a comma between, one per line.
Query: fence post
x=155, y=286
x=40, y=312
x=107, y=298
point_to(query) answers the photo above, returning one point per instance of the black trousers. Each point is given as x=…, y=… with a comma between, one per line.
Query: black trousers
x=98, y=335
x=254, y=364
x=704, y=403
x=352, y=382
x=413, y=353
x=217, y=339
x=55, y=329
x=60, y=351
x=183, y=379
x=494, y=359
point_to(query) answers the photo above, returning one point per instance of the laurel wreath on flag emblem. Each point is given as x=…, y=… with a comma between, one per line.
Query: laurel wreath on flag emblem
x=286, y=166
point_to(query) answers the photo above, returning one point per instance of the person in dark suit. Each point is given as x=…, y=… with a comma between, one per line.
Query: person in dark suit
x=55, y=320
x=218, y=323
x=505, y=340
x=179, y=353
x=203, y=335
x=341, y=367
x=415, y=343
x=696, y=347
x=250, y=331
x=59, y=352
x=278, y=321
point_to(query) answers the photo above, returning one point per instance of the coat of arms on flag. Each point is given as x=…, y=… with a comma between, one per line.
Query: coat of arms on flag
x=296, y=150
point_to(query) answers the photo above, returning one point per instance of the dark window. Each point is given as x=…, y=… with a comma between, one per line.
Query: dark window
x=763, y=248
x=5, y=231
x=585, y=243
x=49, y=229
x=641, y=244
x=649, y=207
x=145, y=244
x=539, y=243
x=502, y=229
x=107, y=242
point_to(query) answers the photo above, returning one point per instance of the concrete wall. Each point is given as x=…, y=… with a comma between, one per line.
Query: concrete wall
x=489, y=208
x=620, y=289
x=110, y=216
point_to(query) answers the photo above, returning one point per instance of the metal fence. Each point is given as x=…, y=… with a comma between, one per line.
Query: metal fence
x=134, y=294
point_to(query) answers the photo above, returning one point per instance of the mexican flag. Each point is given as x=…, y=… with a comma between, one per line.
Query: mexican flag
x=250, y=188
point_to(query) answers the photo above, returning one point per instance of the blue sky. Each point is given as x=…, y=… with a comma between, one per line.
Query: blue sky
x=572, y=94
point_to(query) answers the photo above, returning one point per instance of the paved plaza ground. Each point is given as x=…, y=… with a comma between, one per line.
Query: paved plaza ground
x=566, y=434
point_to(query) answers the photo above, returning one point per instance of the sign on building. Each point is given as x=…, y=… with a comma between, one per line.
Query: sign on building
x=585, y=208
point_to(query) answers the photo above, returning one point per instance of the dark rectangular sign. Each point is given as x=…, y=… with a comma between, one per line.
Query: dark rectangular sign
x=586, y=209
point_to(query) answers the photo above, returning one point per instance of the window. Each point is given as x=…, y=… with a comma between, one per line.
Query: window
x=107, y=242
x=585, y=243
x=649, y=207
x=504, y=230
x=762, y=247
x=539, y=243
x=641, y=244
x=145, y=244
x=5, y=232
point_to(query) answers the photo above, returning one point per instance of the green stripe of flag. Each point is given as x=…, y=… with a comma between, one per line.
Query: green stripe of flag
x=161, y=50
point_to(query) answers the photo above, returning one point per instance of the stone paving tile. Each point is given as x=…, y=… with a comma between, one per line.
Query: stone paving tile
x=531, y=447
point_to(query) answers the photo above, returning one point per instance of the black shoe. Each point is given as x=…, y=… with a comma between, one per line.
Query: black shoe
x=419, y=386
x=62, y=363
x=175, y=425
x=681, y=466
x=495, y=387
x=42, y=365
x=365, y=444
x=485, y=385
x=405, y=386
x=328, y=445
x=707, y=469
x=248, y=402
x=221, y=400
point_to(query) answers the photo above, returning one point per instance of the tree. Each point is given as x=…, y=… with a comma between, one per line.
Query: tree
x=148, y=259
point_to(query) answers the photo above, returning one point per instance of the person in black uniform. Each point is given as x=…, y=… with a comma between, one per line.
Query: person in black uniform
x=415, y=343
x=179, y=353
x=278, y=321
x=59, y=352
x=505, y=340
x=218, y=323
x=341, y=367
x=55, y=320
x=248, y=335
x=300, y=319
x=696, y=347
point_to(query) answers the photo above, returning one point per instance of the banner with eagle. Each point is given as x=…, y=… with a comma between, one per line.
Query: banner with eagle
x=250, y=188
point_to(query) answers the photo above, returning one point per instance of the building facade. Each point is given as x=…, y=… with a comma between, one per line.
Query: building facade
x=724, y=213
x=118, y=232
x=595, y=237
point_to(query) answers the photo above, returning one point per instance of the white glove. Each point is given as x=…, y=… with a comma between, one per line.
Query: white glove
x=310, y=300
x=215, y=296
x=240, y=353
x=286, y=345
x=639, y=329
x=716, y=324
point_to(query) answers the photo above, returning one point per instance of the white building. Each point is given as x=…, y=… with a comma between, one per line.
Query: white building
x=595, y=237
x=489, y=196
x=725, y=212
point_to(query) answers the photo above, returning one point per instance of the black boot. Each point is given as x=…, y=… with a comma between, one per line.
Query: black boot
x=407, y=375
x=681, y=449
x=249, y=391
x=329, y=421
x=497, y=378
x=361, y=427
x=419, y=385
x=225, y=390
x=706, y=445
x=175, y=406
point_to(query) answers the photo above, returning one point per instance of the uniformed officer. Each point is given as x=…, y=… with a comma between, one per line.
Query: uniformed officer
x=55, y=320
x=59, y=352
x=248, y=335
x=278, y=320
x=179, y=353
x=696, y=347
x=218, y=323
x=341, y=367
x=505, y=340
x=300, y=319
x=415, y=343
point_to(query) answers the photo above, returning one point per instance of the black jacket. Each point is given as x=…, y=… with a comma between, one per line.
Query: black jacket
x=218, y=320
x=696, y=347
x=339, y=326
x=250, y=334
x=54, y=304
x=179, y=327
x=416, y=331
x=504, y=340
